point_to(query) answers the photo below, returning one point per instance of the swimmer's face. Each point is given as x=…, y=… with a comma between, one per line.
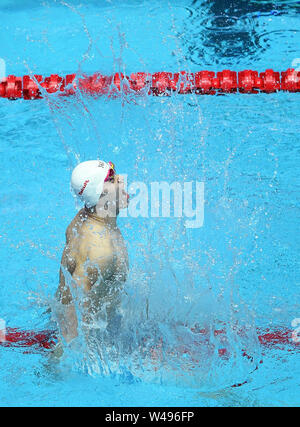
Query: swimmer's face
x=115, y=190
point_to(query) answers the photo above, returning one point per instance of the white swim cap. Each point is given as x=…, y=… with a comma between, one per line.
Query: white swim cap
x=88, y=179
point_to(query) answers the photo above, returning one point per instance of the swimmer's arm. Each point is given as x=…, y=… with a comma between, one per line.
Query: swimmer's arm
x=99, y=269
x=67, y=316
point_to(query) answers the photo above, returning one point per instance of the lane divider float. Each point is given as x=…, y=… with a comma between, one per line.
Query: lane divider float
x=157, y=84
x=45, y=341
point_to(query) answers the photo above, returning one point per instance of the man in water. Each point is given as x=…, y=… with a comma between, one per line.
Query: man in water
x=94, y=263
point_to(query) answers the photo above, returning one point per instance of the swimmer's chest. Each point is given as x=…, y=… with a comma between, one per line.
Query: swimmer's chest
x=101, y=242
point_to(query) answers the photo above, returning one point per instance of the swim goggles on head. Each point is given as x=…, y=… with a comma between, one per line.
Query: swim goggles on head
x=111, y=172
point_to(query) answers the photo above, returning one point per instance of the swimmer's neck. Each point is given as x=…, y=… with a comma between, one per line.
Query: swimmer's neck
x=100, y=216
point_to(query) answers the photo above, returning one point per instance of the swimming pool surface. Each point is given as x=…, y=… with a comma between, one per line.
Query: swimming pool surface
x=241, y=269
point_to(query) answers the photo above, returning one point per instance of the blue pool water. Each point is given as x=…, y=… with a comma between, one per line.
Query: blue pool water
x=240, y=269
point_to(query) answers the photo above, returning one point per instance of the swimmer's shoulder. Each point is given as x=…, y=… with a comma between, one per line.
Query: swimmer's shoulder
x=75, y=225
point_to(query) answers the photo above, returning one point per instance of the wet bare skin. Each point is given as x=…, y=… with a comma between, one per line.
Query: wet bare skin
x=95, y=260
x=91, y=248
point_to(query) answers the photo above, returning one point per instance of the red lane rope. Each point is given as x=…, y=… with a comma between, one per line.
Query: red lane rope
x=15, y=337
x=41, y=341
x=160, y=83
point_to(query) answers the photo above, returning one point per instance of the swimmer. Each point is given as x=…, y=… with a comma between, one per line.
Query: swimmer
x=94, y=263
